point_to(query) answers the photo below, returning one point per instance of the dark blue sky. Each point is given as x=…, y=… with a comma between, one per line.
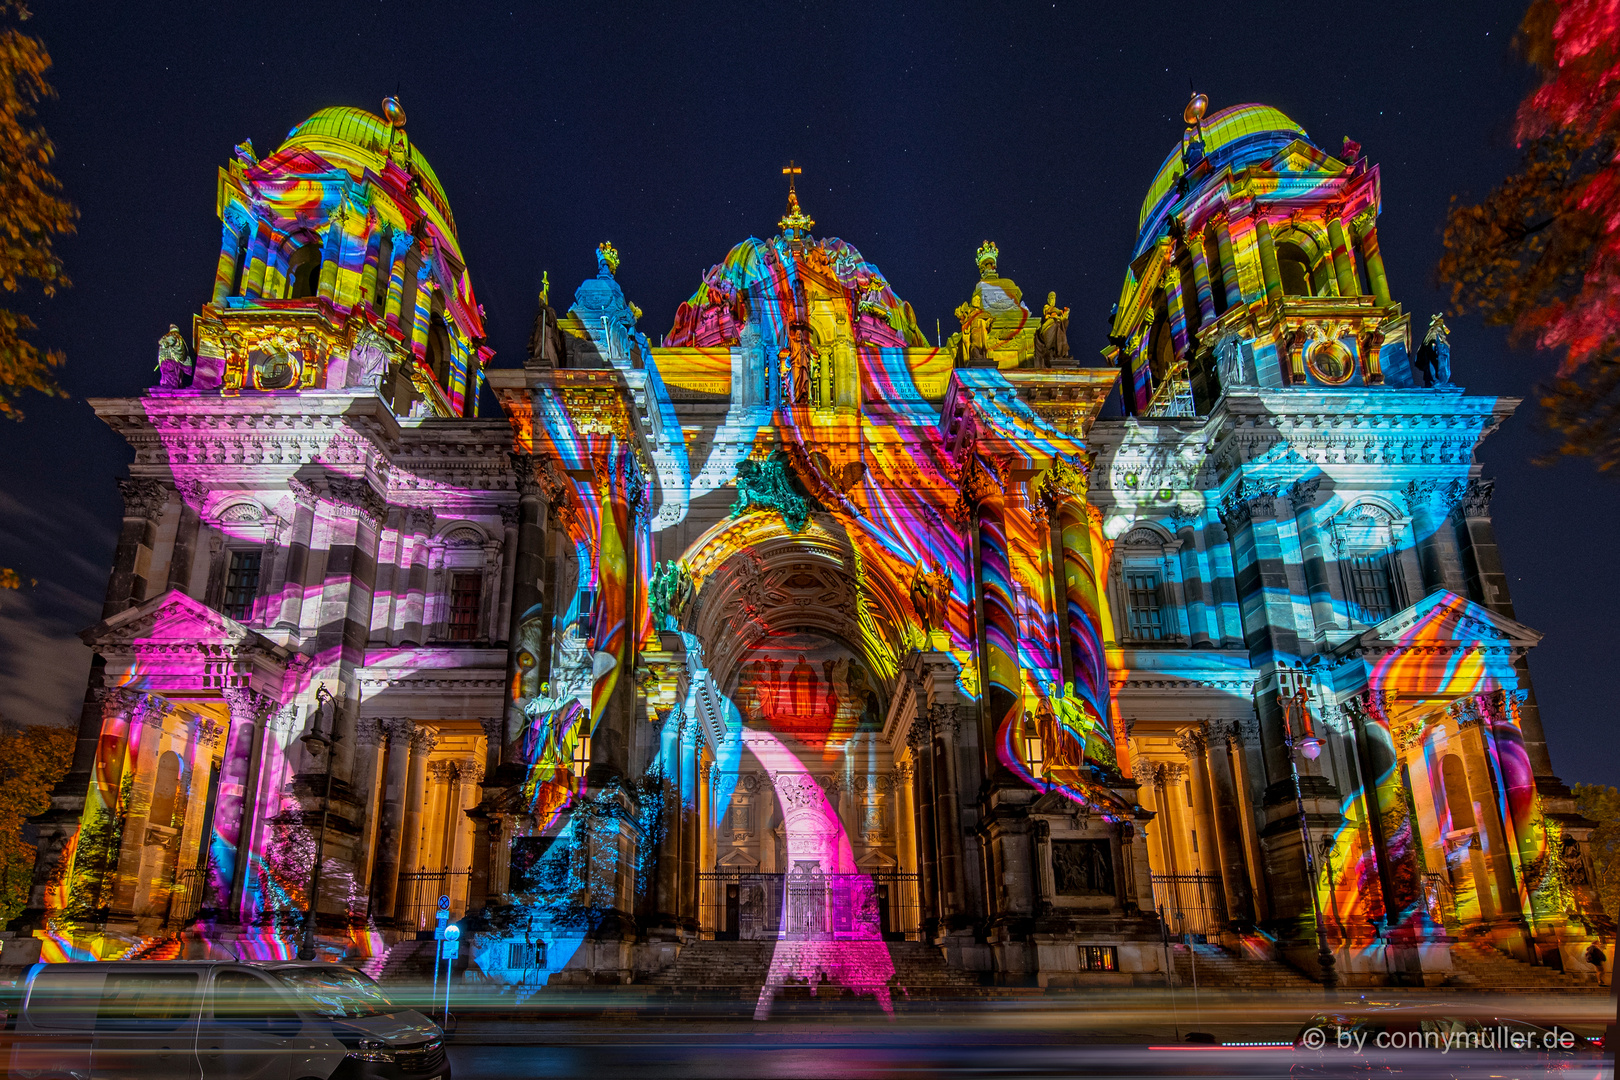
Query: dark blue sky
x=922, y=130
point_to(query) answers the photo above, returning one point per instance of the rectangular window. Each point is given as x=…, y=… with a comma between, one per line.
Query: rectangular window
x=1144, y=602
x=1099, y=958
x=1370, y=587
x=242, y=585
x=464, y=592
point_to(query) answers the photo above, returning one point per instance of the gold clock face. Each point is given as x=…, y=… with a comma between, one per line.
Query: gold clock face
x=1330, y=362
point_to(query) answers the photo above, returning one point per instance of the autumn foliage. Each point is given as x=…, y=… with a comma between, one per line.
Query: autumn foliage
x=32, y=760
x=32, y=210
x=1541, y=253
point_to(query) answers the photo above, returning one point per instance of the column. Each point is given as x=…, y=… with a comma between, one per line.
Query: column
x=144, y=501
x=292, y=593
x=1084, y=605
x=397, y=275
x=689, y=824
x=921, y=739
x=369, y=269
x=510, y=516
x=1229, y=267
x=231, y=830
x=1195, y=746
x=441, y=793
x=1373, y=258
x=1269, y=269
x=1192, y=581
x=258, y=256
x=396, y=734
x=1303, y=497
x=948, y=814
x=1178, y=311
x=1228, y=825
x=525, y=532
x=367, y=761
x=185, y=547
x=410, y=852
x=1201, y=282
x=1343, y=270
x=390, y=556
x=469, y=775
x=230, y=254
x=998, y=622
x=905, y=817
x=135, y=795
x=411, y=614
x=1430, y=503
x=344, y=622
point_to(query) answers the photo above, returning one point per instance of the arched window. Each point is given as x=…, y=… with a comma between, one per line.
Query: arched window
x=304, y=272
x=1217, y=273
x=1294, y=267
x=438, y=351
x=1161, y=348
x=1364, y=538
x=1146, y=595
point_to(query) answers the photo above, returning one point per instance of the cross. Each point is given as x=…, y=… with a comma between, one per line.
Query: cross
x=790, y=172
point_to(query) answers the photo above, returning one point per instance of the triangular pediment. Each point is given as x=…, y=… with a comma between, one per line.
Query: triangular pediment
x=1300, y=156
x=175, y=618
x=1444, y=619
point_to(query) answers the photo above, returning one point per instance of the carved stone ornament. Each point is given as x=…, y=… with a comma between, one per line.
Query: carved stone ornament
x=143, y=498
x=419, y=519
x=1476, y=499
x=247, y=706
x=356, y=495
x=1248, y=499
x=423, y=740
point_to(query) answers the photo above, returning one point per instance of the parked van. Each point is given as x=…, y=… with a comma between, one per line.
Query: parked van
x=197, y=1020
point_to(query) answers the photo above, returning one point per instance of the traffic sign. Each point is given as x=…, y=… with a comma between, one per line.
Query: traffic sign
x=444, y=903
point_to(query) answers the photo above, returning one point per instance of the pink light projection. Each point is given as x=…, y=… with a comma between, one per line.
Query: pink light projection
x=813, y=943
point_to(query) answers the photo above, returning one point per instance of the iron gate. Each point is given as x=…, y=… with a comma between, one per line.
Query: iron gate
x=741, y=905
x=1190, y=903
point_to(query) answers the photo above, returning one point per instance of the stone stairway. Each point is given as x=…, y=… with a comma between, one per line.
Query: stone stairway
x=717, y=967
x=919, y=966
x=1477, y=965
x=1219, y=969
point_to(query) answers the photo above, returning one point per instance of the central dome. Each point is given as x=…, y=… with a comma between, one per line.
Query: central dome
x=1233, y=137
x=338, y=132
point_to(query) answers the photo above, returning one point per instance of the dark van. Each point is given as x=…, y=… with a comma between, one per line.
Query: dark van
x=199, y=1020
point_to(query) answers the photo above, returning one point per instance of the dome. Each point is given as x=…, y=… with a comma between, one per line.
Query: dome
x=1234, y=137
x=337, y=133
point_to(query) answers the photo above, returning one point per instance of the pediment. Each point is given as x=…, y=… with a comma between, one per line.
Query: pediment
x=1300, y=156
x=1444, y=619
x=173, y=618
x=738, y=859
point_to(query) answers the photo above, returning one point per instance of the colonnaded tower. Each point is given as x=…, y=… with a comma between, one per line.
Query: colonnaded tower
x=797, y=641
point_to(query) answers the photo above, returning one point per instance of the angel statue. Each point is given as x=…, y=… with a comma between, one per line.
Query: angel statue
x=931, y=596
x=173, y=366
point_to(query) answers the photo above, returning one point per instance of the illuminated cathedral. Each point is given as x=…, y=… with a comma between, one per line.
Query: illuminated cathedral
x=801, y=639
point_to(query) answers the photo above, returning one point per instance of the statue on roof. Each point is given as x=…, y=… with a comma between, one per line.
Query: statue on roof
x=1434, y=358
x=174, y=367
x=1052, y=339
x=975, y=331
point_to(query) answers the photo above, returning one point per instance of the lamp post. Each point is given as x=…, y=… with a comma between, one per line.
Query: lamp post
x=1293, y=693
x=319, y=742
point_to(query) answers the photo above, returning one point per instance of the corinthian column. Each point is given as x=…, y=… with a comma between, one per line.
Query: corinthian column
x=235, y=812
x=396, y=734
x=423, y=741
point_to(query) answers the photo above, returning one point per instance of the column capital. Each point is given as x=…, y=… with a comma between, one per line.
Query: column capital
x=247, y=706
x=143, y=498
x=397, y=730
x=423, y=740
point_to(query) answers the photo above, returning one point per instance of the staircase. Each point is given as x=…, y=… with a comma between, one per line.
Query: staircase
x=1219, y=969
x=1477, y=965
x=718, y=968
x=919, y=967
x=407, y=961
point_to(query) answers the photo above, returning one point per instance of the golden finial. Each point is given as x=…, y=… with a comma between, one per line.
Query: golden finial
x=795, y=222
x=393, y=112
x=1193, y=114
x=607, y=259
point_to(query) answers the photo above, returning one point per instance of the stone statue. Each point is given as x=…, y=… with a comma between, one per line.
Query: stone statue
x=975, y=331
x=1052, y=339
x=173, y=366
x=764, y=485
x=1434, y=358
x=931, y=596
x=368, y=359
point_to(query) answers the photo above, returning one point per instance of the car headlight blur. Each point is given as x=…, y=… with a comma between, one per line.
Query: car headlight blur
x=371, y=1050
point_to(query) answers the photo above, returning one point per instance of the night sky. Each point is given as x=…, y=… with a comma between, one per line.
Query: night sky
x=922, y=130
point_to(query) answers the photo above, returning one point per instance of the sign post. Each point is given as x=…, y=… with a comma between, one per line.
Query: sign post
x=440, y=917
x=449, y=948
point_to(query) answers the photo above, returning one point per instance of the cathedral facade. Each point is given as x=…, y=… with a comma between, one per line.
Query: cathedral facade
x=798, y=628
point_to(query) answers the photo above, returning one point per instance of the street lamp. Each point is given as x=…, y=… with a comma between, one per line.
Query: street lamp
x=1293, y=693
x=317, y=742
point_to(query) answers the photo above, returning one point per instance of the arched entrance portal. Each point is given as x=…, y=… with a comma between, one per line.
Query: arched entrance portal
x=808, y=834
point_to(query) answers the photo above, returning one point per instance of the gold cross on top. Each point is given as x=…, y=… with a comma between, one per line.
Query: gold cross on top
x=790, y=172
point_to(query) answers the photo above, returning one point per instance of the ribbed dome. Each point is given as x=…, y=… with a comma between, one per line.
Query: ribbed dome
x=337, y=133
x=1235, y=137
